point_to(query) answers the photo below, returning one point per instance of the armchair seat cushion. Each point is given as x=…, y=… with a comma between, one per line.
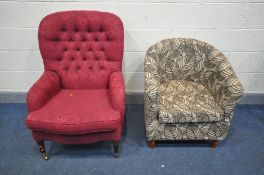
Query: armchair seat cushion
x=76, y=112
x=183, y=101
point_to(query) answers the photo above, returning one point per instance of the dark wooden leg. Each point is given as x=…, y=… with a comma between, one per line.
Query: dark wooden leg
x=214, y=143
x=116, y=149
x=42, y=149
x=152, y=144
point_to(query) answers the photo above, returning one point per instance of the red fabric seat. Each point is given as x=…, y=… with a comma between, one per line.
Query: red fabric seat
x=76, y=112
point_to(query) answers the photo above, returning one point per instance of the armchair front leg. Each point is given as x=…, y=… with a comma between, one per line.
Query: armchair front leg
x=42, y=149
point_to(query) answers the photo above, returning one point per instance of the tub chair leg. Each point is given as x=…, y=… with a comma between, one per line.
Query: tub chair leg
x=214, y=143
x=152, y=144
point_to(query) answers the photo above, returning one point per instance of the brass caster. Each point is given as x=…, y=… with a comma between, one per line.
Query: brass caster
x=45, y=156
x=42, y=150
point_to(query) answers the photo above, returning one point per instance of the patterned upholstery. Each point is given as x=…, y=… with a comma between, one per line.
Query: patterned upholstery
x=186, y=101
x=80, y=98
x=190, y=91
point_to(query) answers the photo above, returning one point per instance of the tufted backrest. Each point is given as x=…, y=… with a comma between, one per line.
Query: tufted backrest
x=82, y=47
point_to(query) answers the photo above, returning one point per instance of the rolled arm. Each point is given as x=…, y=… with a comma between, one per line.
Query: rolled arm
x=117, y=92
x=43, y=90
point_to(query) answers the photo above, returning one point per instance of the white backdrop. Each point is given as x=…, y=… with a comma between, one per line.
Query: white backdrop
x=235, y=27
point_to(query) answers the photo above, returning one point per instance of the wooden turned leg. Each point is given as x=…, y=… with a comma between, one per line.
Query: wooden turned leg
x=116, y=149
x=152, y=144
x=42, y=149
x=214, y=143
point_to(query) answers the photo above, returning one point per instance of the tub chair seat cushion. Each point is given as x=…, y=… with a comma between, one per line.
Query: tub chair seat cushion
x=187, y=102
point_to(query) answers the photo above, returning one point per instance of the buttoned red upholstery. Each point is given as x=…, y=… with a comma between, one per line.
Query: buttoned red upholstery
x=80, y=98
x=82, y=47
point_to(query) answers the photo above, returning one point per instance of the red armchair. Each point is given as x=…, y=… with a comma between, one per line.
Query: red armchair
x=80, y=98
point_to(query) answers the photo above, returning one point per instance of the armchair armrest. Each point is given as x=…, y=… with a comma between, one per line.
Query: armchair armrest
x=232, y=91
x=43, y=90
x=150, y=105
x=226, y=87
x=152, y=83
x=117, y=92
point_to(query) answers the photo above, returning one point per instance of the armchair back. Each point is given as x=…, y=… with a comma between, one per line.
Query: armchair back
x=196, y=61
x=82, y=47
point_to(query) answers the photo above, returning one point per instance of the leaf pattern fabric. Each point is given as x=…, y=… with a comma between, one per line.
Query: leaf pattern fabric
x=191, y=91
x=186, y=101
